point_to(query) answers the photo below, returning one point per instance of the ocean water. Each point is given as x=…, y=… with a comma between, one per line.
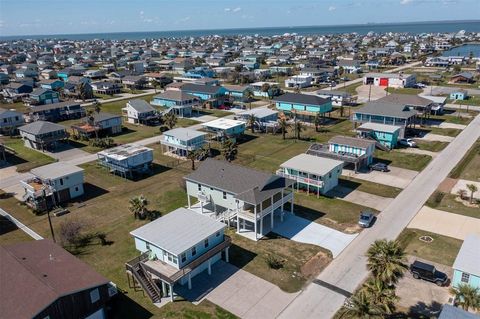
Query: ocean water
x=414, y=28
x=464, y=50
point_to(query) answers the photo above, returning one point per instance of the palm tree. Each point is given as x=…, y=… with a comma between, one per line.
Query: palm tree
x=386, y=260
x=317, y=121
x=138, y=206
x=91, y=121
x=284, y=125
x=155, y=85
x=361, y=307
x=170, y=120
x=298, y=128
x=229, y=149
x=192, y=156
x=473, y=189
x=96, y=106
x=467, y=296
x=249, y=96
x=380, y=294
x=251, y=122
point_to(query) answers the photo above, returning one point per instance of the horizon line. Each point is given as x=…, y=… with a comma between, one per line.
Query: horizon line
x=246, y=28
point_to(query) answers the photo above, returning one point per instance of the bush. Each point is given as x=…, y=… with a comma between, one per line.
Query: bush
x=71, y=232
x=274, y=262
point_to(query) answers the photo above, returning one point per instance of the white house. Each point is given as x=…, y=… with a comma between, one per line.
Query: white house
x=394, y=80
x=300, y=81
x=127, y=159
x=138, y=112
x=52, y=185
x=10, y=120
x=181, y=141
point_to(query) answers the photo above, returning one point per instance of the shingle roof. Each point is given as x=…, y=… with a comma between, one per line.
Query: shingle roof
x=396, y=110
x=174, y=95
x=36, y=273
x=301, y=98
x=352, y=141
x=246, y=184
x=406, y=99
x=41, y=127
x=55, y=170
x=9, y=113
x=52, y=106
x=140, y=106
x=179, y=230
x=103, y=116
x=198, y=88
x=451, y=312
x=184, y=134
x=469, y=255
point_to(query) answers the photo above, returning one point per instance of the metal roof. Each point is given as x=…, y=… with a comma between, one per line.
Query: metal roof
x=55, y=170
x=260, y=112
x=223, y=123
x=174, y=95
x=396, y=110
x=184, y=134
x=379, y=127
x=179, y=230
x=41, y=127
x=312, y=164
x=200, y=88
x=140, y=106
x=351, y=141
x=468, y=258
x=451, y=312
x=122, y=152
x=302, y=99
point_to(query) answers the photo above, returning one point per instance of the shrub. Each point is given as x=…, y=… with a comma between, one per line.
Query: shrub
x=274, y=262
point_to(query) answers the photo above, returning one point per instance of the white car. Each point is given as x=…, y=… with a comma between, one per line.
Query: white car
x=408, y=142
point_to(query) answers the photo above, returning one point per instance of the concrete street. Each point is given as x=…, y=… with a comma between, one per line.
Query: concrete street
x=348, y=271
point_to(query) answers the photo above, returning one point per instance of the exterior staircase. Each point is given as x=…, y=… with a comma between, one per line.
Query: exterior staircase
x=135, y=267
x=379, y=145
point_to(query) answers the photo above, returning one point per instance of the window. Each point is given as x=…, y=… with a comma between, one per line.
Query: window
x=76, y=188
x=61, y=181
x=217, y=234
x=194, y=251
x=224, y=195
x=183, y=257
x=330, y=175
x=94, y=295
x=169, y=257
x=205, y=243
x=199, y=187
x=147, y=245
x=465, y=277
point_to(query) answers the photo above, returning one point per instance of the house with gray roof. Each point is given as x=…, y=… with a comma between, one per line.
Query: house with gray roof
x=42, y=135
x=248, y=198
x=181, y=141
x=452, y=312
x=304, y=106
x=138, y=111
x=174, y=249
x=466, y=268
x=10, y=120
x=178, y=102
x=101, y=124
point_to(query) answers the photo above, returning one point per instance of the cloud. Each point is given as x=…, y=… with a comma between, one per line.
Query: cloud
x=404, y=2
x=227, y=9
x=237, y=9
x=142, y=13
x=331, y=8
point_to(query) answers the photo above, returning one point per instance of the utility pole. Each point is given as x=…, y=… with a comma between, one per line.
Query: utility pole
x=369, y=91
x=51, y=227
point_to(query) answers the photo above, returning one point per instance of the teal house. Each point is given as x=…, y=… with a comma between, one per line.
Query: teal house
x=213, y=95
x=459, y=95
x=466, y=268
x=52, y=84
x=44, y=96
x=387, y=135
x=303, y=105
x=180, y=103
x=175, y=248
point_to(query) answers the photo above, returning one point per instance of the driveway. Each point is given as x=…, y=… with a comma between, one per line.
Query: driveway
x=397, y=177
x=238, y=291
x=361, y=198
x=428, y=297
x=435, y=137
x=462, y=184
x=65, y=152
x=443, y=124
x=304, y=231
x=445, y=223
x=376, y=92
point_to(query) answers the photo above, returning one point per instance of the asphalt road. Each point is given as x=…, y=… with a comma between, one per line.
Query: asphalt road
x=324, y=297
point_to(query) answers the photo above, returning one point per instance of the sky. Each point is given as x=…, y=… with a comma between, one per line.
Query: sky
x=32, y=17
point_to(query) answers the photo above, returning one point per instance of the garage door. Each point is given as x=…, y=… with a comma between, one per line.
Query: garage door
x=383, y=81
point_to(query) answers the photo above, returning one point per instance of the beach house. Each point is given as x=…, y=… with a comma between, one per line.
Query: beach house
x=180, y=141
x=104, y=124
x=127, y=159
x=466, y=268
x=139, y=112
x=387, y=135
x=304, y=106
x=10, y=121
x=180, y=103
x=56, y=112
x=212, y=95
x=222, y=127
x=42, y=135
x=174, y=249
x=42, y=96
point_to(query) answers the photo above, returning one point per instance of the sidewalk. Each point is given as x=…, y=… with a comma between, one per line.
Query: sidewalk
x=20, y=226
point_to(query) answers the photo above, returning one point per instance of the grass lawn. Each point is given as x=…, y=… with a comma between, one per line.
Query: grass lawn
x=453, y=132
x=369, y=187
x=411, y=161
x=352, y=89
x=411, y=91
x=433, y=146
x=116, y=107
x=332, y=212
x=9, y=233
x=301, y=262
x=25, y=158
x=469, y=166
x=442, y=249
x=204, y=310
x=17, y=106
x=215, y=112
x=449, y=204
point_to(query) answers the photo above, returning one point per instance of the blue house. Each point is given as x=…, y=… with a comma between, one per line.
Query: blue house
x=44, y=96
x=238, y=93
x=52, y=84
x=180, y=103
x=175, y=248
x=387, y=135
x=213, y=95
x=200, y=72
x=181, y=141
x=459, y=95
x=303, y=105
x=466, y=268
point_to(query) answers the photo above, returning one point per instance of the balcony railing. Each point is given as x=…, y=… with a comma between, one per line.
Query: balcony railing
x=300, y=179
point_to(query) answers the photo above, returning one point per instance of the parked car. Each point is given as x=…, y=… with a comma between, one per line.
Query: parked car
x=381, y=167
x=366, y=219
x=419, y=86
x=421, y=270
x=408, y=142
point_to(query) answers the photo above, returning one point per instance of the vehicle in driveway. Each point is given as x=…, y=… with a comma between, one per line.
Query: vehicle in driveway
x=421, y=270
x=408, y=142
x=379, y=167
x=365, y=219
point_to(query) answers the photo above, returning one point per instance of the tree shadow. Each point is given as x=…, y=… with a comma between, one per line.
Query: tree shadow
x=423, y=310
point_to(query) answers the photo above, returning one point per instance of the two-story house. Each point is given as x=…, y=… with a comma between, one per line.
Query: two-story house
x=466, y=268
x=42, y=96
x=52, y=185
x=101, y=124
x=304, y=106
x=180, y=103
x=10, y=121
x=179, y=142
x=42, y=135
x=387, y=135
x=56, y=112
x=235, y=194
x=127, y=159
x=138, y=112
x=175, y=248
x=209, y=94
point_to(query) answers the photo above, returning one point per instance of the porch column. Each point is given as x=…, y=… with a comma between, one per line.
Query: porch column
x=283, y=201
x=238, y=224
x=291, y=206
x=170, y=287
x=189, y=281
x=261, y=226
x=227, y=257
x=210, y=266
x=255, y=221
x=271, y=219
x=188, y=198
x=164, y=289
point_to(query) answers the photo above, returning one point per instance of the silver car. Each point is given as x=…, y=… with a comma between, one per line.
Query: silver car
x=366, y=219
